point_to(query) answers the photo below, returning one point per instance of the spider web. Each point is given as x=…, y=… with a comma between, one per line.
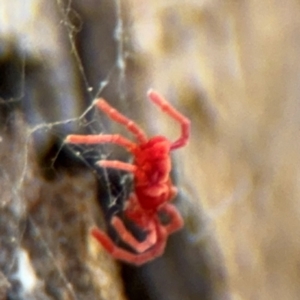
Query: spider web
x=19, y=277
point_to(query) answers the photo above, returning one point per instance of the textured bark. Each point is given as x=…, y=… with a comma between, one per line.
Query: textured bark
x=232, y=67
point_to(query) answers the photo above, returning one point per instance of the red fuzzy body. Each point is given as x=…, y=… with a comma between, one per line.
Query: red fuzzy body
x=152, y=181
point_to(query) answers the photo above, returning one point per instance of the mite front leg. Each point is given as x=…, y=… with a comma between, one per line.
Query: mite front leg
x=175, y=114
x=120, y=118
x=93, y=139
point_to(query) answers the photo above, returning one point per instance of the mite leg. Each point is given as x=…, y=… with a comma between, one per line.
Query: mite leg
x=175, y=114
x=126, y=256
x=176, y=221
x=130, y=240
x=118, y=117
x=116, y=164
x=101, y=139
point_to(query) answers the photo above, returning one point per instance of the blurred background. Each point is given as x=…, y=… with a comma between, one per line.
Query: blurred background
x=232, y=67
